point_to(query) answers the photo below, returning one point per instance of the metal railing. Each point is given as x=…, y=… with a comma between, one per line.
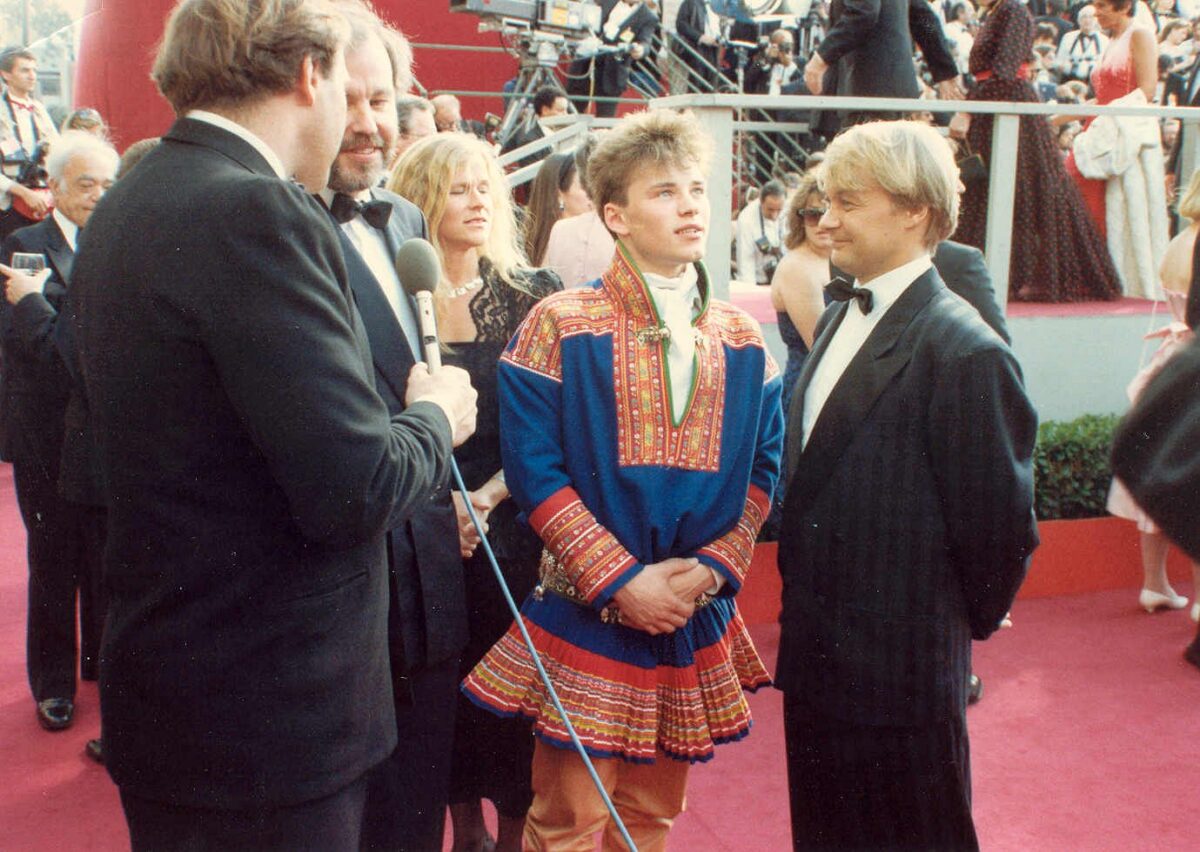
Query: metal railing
x=716, y=112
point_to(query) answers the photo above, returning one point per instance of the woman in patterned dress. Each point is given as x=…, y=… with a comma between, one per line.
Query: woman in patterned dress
x=1057, y=254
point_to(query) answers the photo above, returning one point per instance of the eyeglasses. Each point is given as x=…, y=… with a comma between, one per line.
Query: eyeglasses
x=812, y=215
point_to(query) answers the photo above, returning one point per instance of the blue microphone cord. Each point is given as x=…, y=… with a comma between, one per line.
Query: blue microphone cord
x=537, y=661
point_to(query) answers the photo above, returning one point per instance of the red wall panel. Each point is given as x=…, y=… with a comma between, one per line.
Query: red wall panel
x=119, y=39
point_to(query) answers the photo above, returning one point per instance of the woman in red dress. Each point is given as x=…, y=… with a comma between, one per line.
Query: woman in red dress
x=1057, y=254
x=1129, y=62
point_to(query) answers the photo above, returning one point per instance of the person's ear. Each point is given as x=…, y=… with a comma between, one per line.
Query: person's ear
x=308, y=78
x=614, y=218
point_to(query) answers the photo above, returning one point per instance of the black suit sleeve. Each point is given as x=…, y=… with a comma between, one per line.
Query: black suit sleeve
x=282, y=341
x=854, y=25
x=981, y=445
x=965, y=272
x=927, y=32
x=644, y=34
x=1156, y=452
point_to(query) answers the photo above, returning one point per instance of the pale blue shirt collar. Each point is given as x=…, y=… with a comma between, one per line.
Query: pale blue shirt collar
x=245, y=134
x=889, y=286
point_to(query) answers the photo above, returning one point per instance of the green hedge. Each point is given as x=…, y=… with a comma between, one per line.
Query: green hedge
x=1071, y=467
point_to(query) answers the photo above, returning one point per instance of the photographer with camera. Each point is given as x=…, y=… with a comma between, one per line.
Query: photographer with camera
x=760, y=235
x=774, y=65
x=25, y=130
x=1080, y=50
x=625, y=37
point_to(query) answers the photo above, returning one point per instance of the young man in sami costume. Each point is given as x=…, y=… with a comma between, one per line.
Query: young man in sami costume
x=641, y=437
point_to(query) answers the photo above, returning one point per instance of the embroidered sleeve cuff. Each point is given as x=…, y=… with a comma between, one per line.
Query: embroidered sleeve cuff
x=595, y=562
x=731, y=554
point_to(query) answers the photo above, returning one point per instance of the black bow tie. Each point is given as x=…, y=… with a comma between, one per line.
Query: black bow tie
x=841, y=290
x=376, y=213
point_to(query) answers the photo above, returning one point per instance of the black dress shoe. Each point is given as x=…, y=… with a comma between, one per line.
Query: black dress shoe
x=1192, y=653
x=974, y=689
x=95, y=751
x=55, y=714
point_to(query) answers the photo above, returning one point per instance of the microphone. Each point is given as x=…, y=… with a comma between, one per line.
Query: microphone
x=420, y=270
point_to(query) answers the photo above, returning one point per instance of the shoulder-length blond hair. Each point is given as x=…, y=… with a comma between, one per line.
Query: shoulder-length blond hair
x=1189, y=205
x=423, y=175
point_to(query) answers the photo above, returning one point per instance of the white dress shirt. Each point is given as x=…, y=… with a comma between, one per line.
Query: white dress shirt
x=853, y=332
x=70, y=230
x=373, y=248
x=245, y=134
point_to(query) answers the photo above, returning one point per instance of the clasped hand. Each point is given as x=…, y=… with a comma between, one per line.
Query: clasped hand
x=662, y=597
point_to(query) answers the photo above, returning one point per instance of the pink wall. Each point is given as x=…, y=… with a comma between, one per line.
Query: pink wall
x=119, y=38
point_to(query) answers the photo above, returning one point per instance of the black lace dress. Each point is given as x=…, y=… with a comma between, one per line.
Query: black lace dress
x=492, y=756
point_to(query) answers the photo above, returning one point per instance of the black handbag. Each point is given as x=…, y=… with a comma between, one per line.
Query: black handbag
x=971, y=167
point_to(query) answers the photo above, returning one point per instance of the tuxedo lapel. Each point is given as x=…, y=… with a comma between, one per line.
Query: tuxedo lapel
x=390, y=350
x=795, y=416
x=868, y=374
x=59, y=254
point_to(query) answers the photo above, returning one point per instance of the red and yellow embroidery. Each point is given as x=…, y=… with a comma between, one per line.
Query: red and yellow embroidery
x=591, y=555
x=735, y=549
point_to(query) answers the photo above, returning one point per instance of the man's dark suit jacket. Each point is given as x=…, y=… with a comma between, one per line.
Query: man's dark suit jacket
x=690, y=22
x=430, y=619
x=964, y=270
x=871, y=44
x=1156, y=451
x=612, y=70
x=908, y=516
x=252, y=472
x=36, y=384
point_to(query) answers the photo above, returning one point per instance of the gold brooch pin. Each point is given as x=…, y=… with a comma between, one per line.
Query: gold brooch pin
x=654, y=334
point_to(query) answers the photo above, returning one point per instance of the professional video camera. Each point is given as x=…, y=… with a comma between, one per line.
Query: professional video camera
x=568, y=17
x=540, y=34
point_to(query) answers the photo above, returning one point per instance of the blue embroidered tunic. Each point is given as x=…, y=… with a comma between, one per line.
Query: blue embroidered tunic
x=611, y=482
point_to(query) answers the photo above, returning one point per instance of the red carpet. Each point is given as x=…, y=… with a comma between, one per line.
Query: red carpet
x=1084, y=739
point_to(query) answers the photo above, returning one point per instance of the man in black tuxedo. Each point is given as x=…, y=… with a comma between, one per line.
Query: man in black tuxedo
x=908, y=519
x=626, y=32
x=61, y=541
x=867, y=52
x=427, y=620
x=252, y=470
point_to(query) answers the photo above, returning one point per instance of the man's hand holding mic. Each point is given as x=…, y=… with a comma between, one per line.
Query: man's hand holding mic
x=450, y=389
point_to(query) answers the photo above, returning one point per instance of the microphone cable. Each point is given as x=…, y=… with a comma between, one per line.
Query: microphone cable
x=537, y=660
